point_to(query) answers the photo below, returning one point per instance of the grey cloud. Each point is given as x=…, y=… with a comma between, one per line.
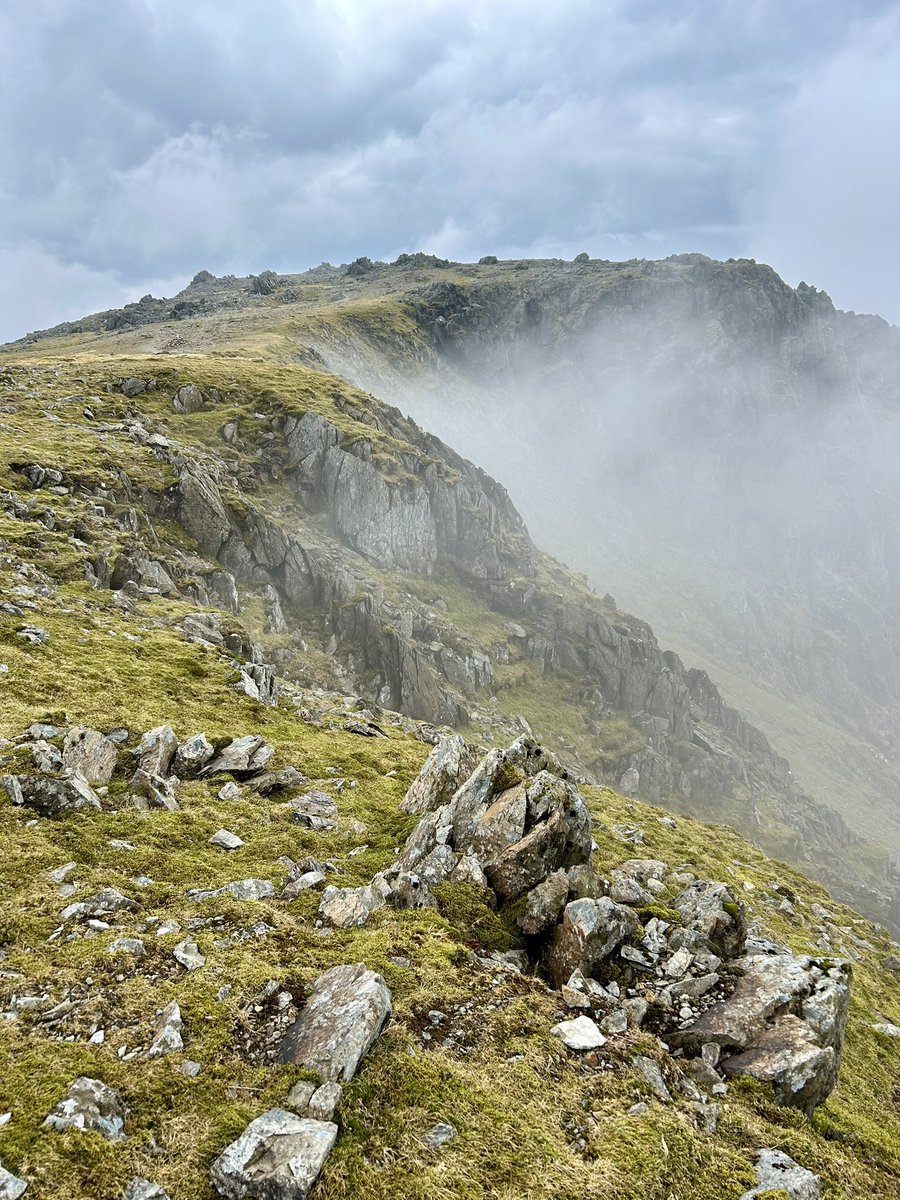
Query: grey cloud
x=152, y=137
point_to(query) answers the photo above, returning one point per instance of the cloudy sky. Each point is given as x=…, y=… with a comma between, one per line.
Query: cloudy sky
x=145, y=139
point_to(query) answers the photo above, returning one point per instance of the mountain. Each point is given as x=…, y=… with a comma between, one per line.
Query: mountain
x=242, y=599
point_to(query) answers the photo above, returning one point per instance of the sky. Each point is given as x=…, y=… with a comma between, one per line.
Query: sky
x=144, y=140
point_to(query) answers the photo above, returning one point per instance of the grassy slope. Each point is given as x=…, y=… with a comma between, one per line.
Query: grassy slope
x=512, y=1093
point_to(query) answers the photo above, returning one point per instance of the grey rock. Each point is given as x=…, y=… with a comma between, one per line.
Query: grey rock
x=190, y=1068
x=889, y=1030
x=226, y=840
x=53, y=795
x=192, y=756
x=90, y=1104
x=653, y=1075
x=775, y=1169
x=712, y=910
x=344, y=1015
x=244, y=756
x=188, y=399
x=153, y=791
x=156, y=751
x=278, y=781
x=581, y=1033
x=89, y=753
x=106, y=903
x=241, y=889
x=143, y=1189
x=445, y=768
x=590, y=931
x=300, y=1095
x=309, y=879
x=229, y=791
x=439, y=1135
x=545, y=904
x=324, y=1101
x=278, y=1157
x=187, y=953
x=344, y=908
x=126, y=945
x=167, y=1036
x=11, y=1186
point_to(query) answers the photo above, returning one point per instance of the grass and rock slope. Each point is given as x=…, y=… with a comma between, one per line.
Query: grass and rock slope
x=175, y=550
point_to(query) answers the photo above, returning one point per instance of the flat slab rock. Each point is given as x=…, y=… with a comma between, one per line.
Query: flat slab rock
x=775, y=1169
x=344, y=1015
x=277, y=1157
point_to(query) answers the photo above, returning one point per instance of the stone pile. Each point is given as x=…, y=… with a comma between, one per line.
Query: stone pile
x=624, y=952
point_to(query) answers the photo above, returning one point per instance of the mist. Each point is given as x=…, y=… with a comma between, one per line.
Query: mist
x=718, y=452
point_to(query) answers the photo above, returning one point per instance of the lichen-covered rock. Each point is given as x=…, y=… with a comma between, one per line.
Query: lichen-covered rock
x=344, y=908
x=89, y=753
x=590, y=931
x=192, y=756
x=156, y=750
x=143, y=1189
x=278, y=1157
x=167, y=1037
x=545, y=904
x=713, y=914
x=343, y=1016
x=90, y=1104
x=52, y=795
x=244, y=756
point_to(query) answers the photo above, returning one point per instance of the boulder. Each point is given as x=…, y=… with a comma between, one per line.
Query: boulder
x=90, y=1104
x=192, y=756
x=278, y=1157
x=153, y=791
x=712, y=912
x=445, y=768
x=244, y=756
x=787, y=1055
x=579, y=1034
x=89, y=753
x=52, y=795
x=188, y=399
x=344, y=908
x=545, y=904
x=590, y=931
x=343, y=1016
x=156, y=750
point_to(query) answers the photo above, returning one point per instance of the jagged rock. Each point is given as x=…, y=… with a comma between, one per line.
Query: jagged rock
x=343, y=1016
x=226, y=840
x=156, y=750
x=152, y=791
x=52, y=795
x=167, y=1037
x=143, y=1189
x=278, y=1157
x=590, y=931
x=344, y=908
x=192, y=756
x=783, y=1023
x=278, y=781
x=444, y=770
x=89, y=753
x=545, y=904
x=581, y=1033
x=711, y=911
x=651, y=1072
x=258, y=681
x=300, y=1095
x=409, y=890
x=188, y=399
x=315, y=810
x=187, y=953
x=244, y=756
x=776, y=1170
x=90, y=1104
